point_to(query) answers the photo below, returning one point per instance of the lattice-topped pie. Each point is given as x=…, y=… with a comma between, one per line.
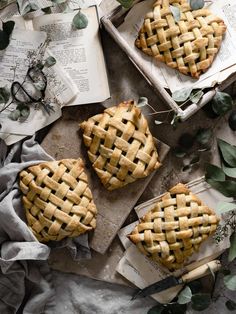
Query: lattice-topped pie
x=120, y=145
x=189, y=44
x=174, y=228
x=57, y=199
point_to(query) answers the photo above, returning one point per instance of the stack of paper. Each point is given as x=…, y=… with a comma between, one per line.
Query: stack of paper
x=223, y=65
x=142, y=271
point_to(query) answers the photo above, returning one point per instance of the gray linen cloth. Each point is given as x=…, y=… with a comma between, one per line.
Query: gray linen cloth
x=27, y=284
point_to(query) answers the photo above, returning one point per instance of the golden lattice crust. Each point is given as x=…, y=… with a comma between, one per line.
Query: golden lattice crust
x=175, y=227
x=57, y=199
x=188, y=45
x=120, y=145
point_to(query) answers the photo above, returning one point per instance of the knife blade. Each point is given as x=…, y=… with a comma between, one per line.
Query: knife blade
x=172, y=281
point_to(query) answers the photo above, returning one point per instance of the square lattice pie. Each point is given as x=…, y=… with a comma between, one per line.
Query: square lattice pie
x=174, y=228
x=188, y=45
x=120, y=145
x=57, y=199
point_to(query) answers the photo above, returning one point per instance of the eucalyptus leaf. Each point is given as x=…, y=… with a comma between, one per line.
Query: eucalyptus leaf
x=157, y=309
x=50, y=61
x=222, y=103
x=195, y=160
x=201, y=301
x=185, y=296
x=126, y=3
x=157, y=122
x=23, y=6
x=224, y=207
x=197, y=4
x=230, y=282
x=25, y=112
x=179, y=152
x=231, y=305
x=174, y=122
x=182, y=94
x=40, y=85
x=214, y=173
x=34, y=7
x=4, y=95
x=142, y=102
x=176, y=308
x=232, y=120
x=232, y=249
x=80, y=20
x=14, y=115
x=230, y=172
x=8, y=27
x=47, y=10
x=196, y=95
x=204, y=136
x=228, y=152
x=4, y=40
x=175, y=12
x=227, y=188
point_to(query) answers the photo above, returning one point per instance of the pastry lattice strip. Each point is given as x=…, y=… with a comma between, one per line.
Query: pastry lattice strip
x=188, y=45
x=57, y=199
x=174, y=229
x=120, y=145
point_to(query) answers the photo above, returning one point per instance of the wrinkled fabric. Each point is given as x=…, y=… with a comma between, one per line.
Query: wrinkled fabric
x=25, y=275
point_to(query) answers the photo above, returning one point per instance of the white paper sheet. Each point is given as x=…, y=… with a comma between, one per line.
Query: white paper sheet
x=226, y=58
x=142, y=271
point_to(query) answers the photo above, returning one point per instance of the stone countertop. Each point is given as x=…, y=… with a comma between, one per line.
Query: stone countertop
x=127, y=83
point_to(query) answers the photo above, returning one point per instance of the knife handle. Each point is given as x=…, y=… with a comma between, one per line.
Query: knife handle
x=201, y=271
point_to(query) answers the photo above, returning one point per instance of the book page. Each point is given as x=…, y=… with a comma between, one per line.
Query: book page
x=79, y=52
x=13, y=67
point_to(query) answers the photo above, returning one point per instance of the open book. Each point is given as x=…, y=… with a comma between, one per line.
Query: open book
x=79, y=52
x=78, y=77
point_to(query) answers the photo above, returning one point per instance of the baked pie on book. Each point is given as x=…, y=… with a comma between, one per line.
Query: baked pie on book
x=174, y=228
x=120, y=145
x=57, y=199
x=188, y=45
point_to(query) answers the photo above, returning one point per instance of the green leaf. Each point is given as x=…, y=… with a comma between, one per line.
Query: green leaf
x=179, y=152
x=23, y=7
x=8, y=27
x=230, y=282
x=50, y=61
x=232, y=249
x=25, y=112
x=157, y=309
x=232, y=120
x=142, y=102
x=175, y=12
x=4, y=40
x=182, y=94
x=224, y=207
x=195, y=286
x=214, y=173
x=227, y=188
x=157, y=122
x=228, y=152
x=80, y=20
x=230, y=172
x=175, y=308
x=222, y=103
x=14, y=115
x=185, y=296
x=4, y=95
x=197, y=4
x=231, y=305
x=126, y=3
x=47, y=10
x=201, y=301
x=196, y=95
x=204, y=136
x=195, y=160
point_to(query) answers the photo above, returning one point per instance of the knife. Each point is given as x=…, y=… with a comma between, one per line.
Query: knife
x=172, y=281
